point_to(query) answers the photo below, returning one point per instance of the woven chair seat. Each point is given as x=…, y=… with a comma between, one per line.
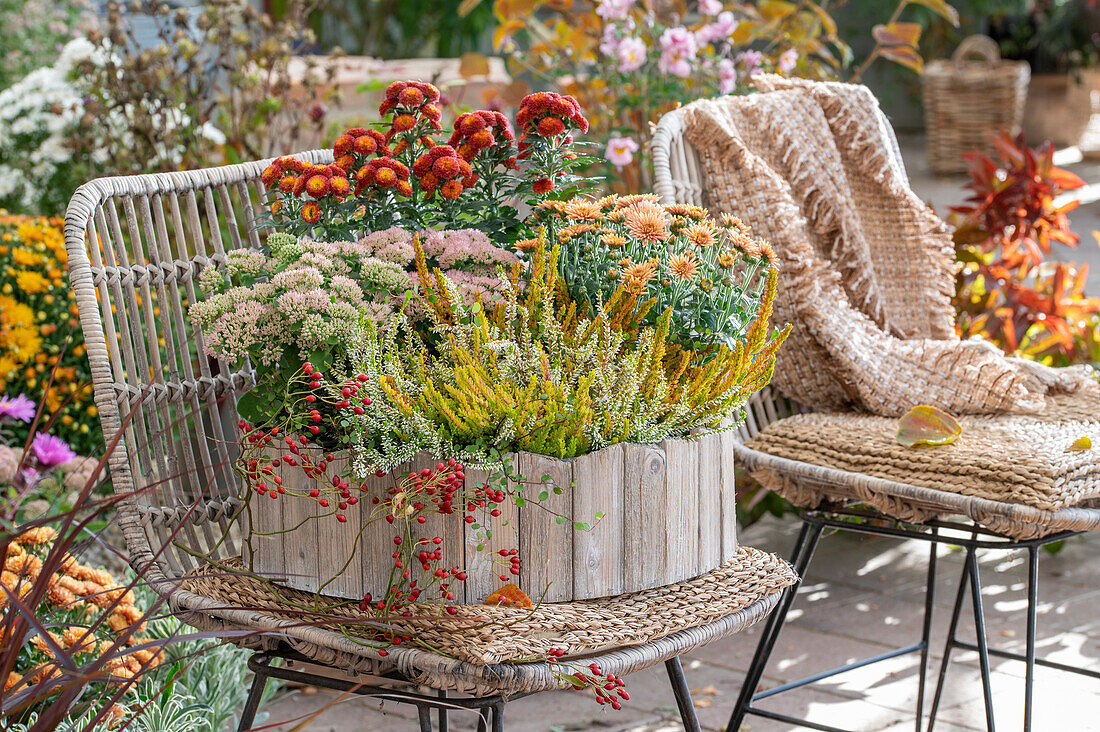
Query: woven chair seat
x=1020, y=462
x=485, y=650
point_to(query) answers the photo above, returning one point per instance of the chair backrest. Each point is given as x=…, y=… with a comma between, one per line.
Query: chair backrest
x=679, y=178
x=136, y=245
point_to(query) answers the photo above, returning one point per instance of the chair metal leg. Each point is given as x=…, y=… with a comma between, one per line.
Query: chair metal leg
x=926, y=631
x=804, y=548
x=949, y=645
x=252, y=703
x=683, y=695
x=498, y=718
x=424, y=715
x=983, y=648
x=1032, y=603
x=442, y=712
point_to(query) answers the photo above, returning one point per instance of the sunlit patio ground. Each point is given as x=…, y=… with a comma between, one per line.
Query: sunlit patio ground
x=862, y=596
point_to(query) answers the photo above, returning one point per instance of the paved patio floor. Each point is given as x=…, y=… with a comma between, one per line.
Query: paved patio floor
x=862, y=596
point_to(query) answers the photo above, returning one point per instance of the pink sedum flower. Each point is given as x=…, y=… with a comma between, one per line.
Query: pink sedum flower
x=710, y=7
x=614, y=9
x=787, y=61
x=51, y=451
x=678, y=50
x=620, y=151
x=631, y=54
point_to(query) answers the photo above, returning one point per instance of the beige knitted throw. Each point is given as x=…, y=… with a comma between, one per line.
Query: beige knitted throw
x=866, y=266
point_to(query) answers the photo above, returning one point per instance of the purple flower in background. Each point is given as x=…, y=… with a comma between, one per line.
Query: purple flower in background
x=51, y=451
x=19, y=407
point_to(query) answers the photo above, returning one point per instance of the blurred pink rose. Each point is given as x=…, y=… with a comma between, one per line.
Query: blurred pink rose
x=613, y=9
x=721, y=29
x=710, y=7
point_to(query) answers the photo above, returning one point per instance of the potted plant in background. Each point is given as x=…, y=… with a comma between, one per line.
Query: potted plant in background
x=1061, y=41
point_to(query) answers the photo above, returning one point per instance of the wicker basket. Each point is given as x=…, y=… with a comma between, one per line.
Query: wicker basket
x=968, y=99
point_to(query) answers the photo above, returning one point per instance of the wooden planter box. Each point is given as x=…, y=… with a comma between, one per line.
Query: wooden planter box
x=669, y=516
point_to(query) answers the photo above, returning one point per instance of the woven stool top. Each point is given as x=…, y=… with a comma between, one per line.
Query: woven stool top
x=482, y=634
x=1013, y=459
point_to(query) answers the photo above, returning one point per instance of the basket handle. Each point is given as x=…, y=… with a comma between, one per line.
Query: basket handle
x=984, y=47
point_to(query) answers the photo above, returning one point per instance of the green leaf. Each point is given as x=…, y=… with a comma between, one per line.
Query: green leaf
x=580, y=526
x=925, y=425
x=544, y=495
x=559, y=520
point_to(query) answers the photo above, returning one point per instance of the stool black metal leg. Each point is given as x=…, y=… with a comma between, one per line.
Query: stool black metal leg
x=800, y=559
x=983, y=648
x=683, y=695
x=498, y=717
x=1032, y=603
x=926, y=631
x=255, y=694
x=949, y=645
x=424, y=714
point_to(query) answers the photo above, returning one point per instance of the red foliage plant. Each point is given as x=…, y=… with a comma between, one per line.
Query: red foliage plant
x=1006, y=289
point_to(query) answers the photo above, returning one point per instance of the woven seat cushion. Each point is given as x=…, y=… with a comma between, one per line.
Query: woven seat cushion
x=1014, y=459
x=481, y=634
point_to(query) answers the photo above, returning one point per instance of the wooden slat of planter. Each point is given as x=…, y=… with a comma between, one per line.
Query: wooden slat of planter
x=682, y=506
x=447, y=527
x=266, y=517
x=545, y=546
x=484, y=566
x=337, y=545
x=300, y=545
x=645, y=535
x=376, y=538
x=710, y=502
x=598, y=554
x=728, y=498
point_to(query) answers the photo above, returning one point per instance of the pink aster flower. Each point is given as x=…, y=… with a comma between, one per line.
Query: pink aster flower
x=19, y=407
x=631, y=54
x=678, y=49
x=51, y=451
x=788, y=60
x=620, y=151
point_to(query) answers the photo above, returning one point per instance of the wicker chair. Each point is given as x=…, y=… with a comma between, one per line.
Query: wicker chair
x=841, y=498
x=135, y=247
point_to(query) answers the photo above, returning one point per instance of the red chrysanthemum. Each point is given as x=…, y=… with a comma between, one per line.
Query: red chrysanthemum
x=550, y=127
x=340, y=186
x=311, y=212
x=452, y=189
x=286, y=183
x=543, y=185
x=317, y=186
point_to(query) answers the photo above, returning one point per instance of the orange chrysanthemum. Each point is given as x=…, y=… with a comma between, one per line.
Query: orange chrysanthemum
x=647, y=221
x=583, y=209
x=683, y=267
x=701, y=234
